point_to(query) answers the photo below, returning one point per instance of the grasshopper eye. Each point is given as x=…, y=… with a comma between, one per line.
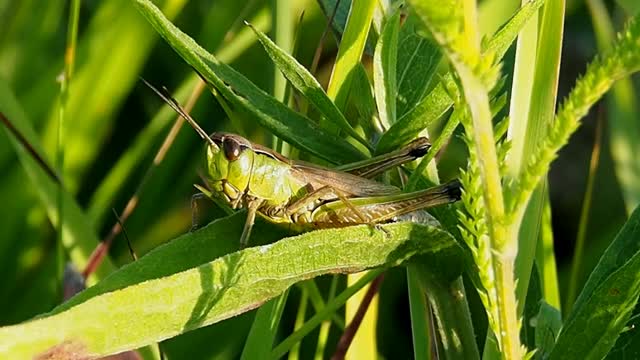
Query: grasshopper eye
x=232, y=149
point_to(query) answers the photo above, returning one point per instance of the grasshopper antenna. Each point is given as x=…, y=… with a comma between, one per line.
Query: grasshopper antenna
x=175, y=105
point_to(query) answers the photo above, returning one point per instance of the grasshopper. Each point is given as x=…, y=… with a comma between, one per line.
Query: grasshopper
x=248, y=175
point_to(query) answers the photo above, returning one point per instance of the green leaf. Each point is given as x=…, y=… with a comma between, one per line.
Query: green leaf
x=628, y=345
x=437, y=102
x=531, y=310
x=384, y=70
x=287, y=124
x=418, y=59
x=548, y=324
x=350, y=50
x=607, y=300
x=170, y=290
x=304, y=81
x=340, y=19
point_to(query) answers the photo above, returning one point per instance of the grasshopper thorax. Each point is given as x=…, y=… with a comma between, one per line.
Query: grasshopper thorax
x=229, y=164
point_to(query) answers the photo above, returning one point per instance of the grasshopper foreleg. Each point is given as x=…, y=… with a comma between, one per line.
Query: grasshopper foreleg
x=195, y=210
x=252, y=208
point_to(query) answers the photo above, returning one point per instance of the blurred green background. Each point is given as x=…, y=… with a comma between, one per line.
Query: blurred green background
x=114, y=127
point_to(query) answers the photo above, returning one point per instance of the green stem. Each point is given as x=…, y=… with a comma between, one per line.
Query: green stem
x=576, y=265
x=69, y=62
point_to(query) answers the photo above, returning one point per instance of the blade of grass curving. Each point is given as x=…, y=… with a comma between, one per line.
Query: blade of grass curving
x=606, y=301
x=78, y=236
x=292, y=127
x=308, y=86
x=437, y=102
x=165, y=303
x=622, y=108
x=385, y=59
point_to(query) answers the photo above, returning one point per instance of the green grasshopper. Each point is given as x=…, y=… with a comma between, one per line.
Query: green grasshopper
x=251, y=176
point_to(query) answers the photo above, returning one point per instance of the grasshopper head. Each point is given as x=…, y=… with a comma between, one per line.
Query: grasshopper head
x=229, y=163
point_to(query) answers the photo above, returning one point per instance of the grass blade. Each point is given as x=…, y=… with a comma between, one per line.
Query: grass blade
x=384, y=70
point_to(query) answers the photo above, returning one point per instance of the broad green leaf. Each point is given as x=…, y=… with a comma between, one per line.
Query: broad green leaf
x=548, y=324
x=77, y=235
x=170, y=290
x=384, y=70
x=437, y=102
x=304, y=81
x=287, y=124
x=607, y=299
x=627, y=346
x=418, y=58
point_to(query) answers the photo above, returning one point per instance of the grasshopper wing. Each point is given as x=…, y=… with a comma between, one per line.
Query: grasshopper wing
x=346, y=183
